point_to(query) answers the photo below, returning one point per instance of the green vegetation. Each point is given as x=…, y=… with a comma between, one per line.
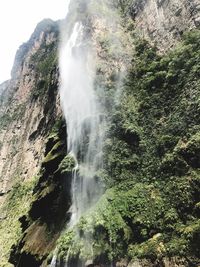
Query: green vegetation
x=45, y=60
x=54, y=153
x=7, y=118
x=152, y=163
x=45, y=208
x=66, y=165
x=17, y=204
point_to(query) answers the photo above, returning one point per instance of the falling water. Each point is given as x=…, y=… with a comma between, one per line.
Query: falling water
x=82, y=114
x=82, y=111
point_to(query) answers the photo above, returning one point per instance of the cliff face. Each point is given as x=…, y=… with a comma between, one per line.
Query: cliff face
x=29, y=106
x=149, y=213
x=163, y=22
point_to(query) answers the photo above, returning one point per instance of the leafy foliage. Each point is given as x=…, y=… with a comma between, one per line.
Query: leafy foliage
x=151, y=156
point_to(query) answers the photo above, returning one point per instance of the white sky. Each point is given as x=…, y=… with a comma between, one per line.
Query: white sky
x=18, y=19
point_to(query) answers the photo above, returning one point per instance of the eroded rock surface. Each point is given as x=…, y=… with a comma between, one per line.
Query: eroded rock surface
x=164, y=21
x=29, y=106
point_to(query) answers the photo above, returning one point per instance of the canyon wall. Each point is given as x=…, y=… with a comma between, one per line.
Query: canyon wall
x=149, y=214
x=29, y=106
x=163, y=22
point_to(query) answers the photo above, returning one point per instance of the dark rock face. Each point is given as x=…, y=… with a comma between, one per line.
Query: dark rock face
x=26, y=260
x=48, y=213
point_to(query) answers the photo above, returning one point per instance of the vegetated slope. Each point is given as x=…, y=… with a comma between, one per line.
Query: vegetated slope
x=151, y=209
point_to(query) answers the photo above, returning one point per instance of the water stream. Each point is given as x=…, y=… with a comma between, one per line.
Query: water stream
x=83, y=117
x=82, y=112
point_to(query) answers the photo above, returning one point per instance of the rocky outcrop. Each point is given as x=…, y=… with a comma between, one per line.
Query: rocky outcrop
x=163, y=22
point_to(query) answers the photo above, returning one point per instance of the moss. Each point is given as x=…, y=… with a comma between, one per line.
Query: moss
x=173, y=165
x=54, y=153
x=152, y=249
x=151, y=162
x=38, y=241
x=66, y=165
x=131, y=209
x=17, y=204
x=46, y=213
x=5, y=120
x=45, y=61
x=190, y=150
x=120, y=161
x=143, y=220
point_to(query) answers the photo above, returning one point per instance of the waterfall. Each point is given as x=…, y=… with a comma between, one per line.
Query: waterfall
x=82, y=101
x=82, y=114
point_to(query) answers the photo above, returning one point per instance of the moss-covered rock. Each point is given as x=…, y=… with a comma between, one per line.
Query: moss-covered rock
x=17, y=205
x=47, y=213
x=151, y=162
x=190, y=150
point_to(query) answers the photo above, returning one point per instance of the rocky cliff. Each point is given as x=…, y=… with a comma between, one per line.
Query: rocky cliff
x=163, y=22
x=29, y=105
x=149, y=213
x=29, y=108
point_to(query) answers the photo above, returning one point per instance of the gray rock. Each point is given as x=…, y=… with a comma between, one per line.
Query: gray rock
x=162, y=22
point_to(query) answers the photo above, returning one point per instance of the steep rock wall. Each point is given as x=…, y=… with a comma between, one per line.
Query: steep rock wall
x=163, y=22
x=29, y=109
x=29, y=106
